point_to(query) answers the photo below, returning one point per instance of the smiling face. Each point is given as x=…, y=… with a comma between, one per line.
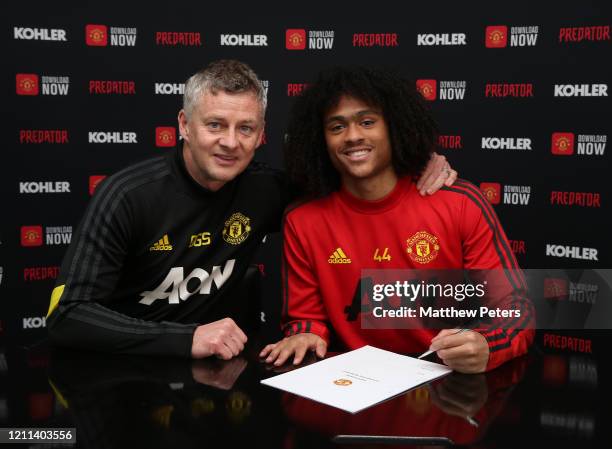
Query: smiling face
x=221, y=135
x=358, y=143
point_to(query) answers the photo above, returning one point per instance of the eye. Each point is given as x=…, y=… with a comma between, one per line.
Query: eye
x=213, y=125
x=246, y=129
x=336, y=128
x=368, y=122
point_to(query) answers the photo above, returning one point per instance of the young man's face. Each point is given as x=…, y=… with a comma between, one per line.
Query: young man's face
x=358, y=142
x=221, y=135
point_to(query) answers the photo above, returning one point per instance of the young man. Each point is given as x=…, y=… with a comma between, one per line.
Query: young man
x=164, y=244
x=357, y=138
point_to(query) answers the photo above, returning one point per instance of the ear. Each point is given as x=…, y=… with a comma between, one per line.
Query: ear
x=182, y=122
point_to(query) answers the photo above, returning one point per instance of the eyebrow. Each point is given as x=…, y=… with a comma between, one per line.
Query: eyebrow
x=212, y=117
x=357, y=114
x=221, y=119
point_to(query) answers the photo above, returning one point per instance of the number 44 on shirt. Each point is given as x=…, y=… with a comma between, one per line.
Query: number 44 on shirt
x=385, y=255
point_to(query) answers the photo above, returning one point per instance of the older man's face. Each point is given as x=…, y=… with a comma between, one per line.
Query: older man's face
x=221, y=135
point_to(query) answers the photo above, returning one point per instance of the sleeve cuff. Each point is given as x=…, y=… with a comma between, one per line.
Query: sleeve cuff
x=307, y=326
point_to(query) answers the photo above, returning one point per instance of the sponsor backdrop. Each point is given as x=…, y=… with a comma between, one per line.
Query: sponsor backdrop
x=521, y=93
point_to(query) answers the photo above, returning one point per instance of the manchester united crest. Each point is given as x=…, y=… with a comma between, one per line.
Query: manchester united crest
x=422, y=247
x=236, y=229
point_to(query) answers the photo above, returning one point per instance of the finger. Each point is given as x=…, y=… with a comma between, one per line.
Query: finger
x=427, y=178
x=470, y=360
x=267, y=349
x=468, y=356
x=432, y=171
x=241, y=335
x=283, y=356
x=443, y=333
x=299, y=354
x=453, y=338
x=436, y=183
x=235, y=344
x=463, y=366
x=239, y=344
x=274, y=353
x=434, y=165
x=232, y=345
x=232, y=329
x=437, y=179
x=460, y=351
x=223, y=352
x=455, y=364
x=465, y=337
x=431, y=167
x=451, y=178
x=321, y=348
x=450, y=355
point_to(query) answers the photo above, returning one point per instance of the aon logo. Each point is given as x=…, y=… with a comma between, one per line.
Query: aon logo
x=176, y=286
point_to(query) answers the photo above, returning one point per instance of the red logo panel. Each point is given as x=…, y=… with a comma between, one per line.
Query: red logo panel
x=562, y=144
x=31, y=236
x=27, y=84
x=295, y=39
x=165, y=136
x=492, y=191
x=496, y=36
x=96, y=35
x=427, y=88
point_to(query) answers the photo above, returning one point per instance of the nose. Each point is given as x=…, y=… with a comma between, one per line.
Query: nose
x=229, y=140
x=353, y=134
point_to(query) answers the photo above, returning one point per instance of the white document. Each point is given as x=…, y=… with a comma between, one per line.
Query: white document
x=358, y=379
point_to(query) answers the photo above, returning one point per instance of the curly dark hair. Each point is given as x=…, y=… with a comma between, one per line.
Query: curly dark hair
x=412, y=129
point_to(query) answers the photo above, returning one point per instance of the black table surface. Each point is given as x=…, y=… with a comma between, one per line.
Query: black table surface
x=542, y=399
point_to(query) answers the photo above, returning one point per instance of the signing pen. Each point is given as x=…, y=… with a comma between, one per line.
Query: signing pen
x=429, y=351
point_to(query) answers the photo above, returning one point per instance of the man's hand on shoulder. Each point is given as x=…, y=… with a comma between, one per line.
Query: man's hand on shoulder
x=223, y=339
x=437, y=173
x=296, y=345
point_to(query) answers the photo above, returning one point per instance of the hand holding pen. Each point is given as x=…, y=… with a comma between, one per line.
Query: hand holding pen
x=463, y=350
x=431, y=351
